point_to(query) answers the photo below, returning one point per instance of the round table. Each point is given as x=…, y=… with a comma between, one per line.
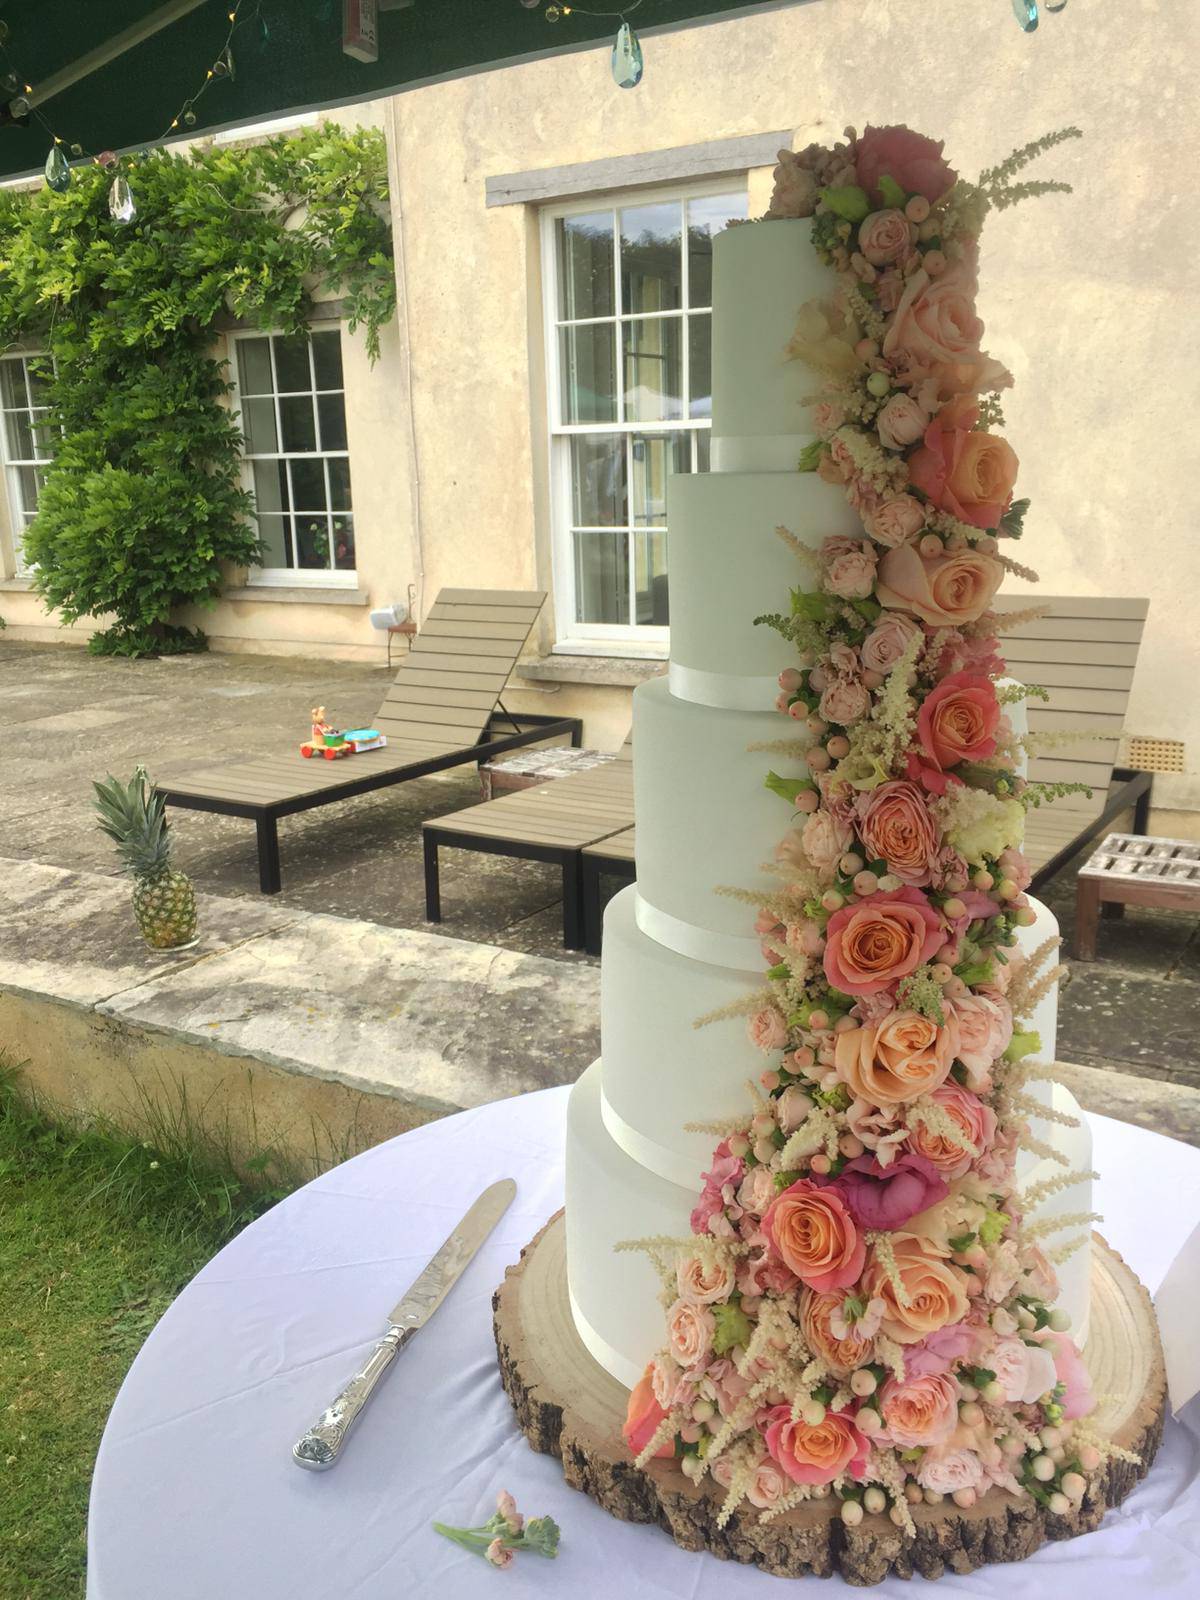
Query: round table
x=196, y=1496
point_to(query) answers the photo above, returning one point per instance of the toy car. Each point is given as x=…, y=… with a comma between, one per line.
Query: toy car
x=332, y=746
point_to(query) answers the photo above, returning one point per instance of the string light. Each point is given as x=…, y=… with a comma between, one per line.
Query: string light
x=627, y=62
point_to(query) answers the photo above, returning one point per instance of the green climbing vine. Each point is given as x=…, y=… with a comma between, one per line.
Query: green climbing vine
x=142, y=504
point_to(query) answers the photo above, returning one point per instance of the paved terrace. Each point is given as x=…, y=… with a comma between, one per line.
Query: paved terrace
x=1131, y=1020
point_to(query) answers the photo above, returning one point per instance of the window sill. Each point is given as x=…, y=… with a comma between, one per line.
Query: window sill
x=617, y=672
x=301, y=594
x=21, y=584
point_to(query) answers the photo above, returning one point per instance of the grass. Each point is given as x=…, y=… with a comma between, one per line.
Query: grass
x=98, y=1233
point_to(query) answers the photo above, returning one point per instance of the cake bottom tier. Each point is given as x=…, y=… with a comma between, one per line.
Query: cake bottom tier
x=611, y=1198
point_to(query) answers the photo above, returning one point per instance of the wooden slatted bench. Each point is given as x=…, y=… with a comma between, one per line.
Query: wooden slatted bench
x=616, y=857
x=1132, y=871
x=1083, y=653
x=443, y=709
x=551, y=822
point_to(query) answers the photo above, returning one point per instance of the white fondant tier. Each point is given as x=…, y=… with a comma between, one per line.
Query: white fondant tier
x=610, y=1197
x=762, y=274
x=704, y=818
x=1044, y=1020
x=729, y=566
x=660, y=1070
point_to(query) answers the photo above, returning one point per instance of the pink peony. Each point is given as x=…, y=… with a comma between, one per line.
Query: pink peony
x=767, y=1029
x=884, y=237
x=851, y=575
x=884, y=1198
x=901, y=422
x=958, y=720
x=815, y=1454
x=845, y=701
x=881, y=938
x=911, y=159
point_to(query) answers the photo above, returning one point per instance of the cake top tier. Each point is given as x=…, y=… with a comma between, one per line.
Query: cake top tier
x=763, y=272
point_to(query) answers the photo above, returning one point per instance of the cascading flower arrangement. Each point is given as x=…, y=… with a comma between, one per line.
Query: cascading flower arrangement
x=865, y=1306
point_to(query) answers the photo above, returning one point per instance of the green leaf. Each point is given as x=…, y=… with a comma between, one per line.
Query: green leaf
x=1022, y=1045
x=893, y=194
x=848, y=202
x=810, y=456
x=1012, y=522
x=961, y=1242
x=787, y=788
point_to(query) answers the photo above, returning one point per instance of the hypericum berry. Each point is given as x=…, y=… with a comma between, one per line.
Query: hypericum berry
x=1042, y=1468
x=1060, y=1319
x=954, y=908
x=1059, y=1504
x=838, y=746
x=982, y=880
x=863, y=1382
x=851, y=863
x=812, y=1412
x=917, y=208
x=874, y=1499
x=930, y=545
x=820, y=1165
x=1074, y=1485
x=865, y=883
x=817, y=758
x=879, y=384
x=819, y=1020
x=852, y=1513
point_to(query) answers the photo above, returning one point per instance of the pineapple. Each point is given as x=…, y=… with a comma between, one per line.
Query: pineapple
x=164, y=902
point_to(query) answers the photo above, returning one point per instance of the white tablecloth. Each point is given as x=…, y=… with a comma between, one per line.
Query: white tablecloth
x=196, y=1497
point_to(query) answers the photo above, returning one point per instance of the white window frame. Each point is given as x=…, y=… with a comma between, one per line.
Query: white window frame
x=296, y=577
x=17, y=511
x=625, y=639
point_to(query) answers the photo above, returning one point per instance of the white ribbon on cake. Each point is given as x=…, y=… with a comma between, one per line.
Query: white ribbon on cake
x=725, y=691
x=648, y=1153
x=606, y=1354
x=698, y=944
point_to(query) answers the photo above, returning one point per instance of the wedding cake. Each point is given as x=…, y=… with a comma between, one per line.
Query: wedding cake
x=829, y=967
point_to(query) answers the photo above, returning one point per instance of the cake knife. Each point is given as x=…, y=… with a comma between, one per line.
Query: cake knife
x=321, y=1446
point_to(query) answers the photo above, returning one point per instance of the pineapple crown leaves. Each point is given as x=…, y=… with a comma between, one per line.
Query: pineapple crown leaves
x=134, y=816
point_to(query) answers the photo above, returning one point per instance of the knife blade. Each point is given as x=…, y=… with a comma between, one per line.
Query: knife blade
x=321, y=1446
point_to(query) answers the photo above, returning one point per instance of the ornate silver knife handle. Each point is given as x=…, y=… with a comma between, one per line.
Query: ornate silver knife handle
x=321, y=1446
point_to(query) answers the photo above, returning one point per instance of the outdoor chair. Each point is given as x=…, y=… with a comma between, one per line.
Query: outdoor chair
x=552, y=821
x=443, y=710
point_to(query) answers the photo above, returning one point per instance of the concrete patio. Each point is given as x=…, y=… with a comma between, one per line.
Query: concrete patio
x=340, y=967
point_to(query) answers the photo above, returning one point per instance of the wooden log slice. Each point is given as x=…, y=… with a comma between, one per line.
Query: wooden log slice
x=567, y=1405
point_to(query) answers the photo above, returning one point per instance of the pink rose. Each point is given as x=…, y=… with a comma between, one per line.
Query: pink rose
x=938, y=1351
x=963, y=471
x=885, y=1198
x=845, y=701
x=901, y=422
x=896, y=521
x=826, y=417
x=881, y=938
x=884, y=237
x=815, y=1454
x=851, y=576
x=703, y=1283
x=690, y=1331
x=944, y=1470
x=672, y=1387
x=958, y=720
x=1070, y=1370
x=985, y=1028
x=912, y=160
x=756, y=1193
x=767, y=1487
x=919, y=1412
x=768, y=1030
x=896, y=824
x=944, y=591
x=936, y=333
x=825, y=839
x=888, y=640
x=974, y=1120
x=793, y=1108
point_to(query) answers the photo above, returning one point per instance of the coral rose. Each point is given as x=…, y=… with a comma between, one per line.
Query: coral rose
x=885, y=236
x=643, y=1416
x=901, y=422
x=958, y=720
x=814, y=1235
x=911, y=159
x=895, y=823
x=841, y=1356
x=933, y=1289
x=896, y=1060
x=920, y=1411
x=896, y=521
x=975, y=1120
x=946, y=591
x=701, y=1282
x=815, y=1455
x=881, y=938
x=690, y=1331
x=888, y=640
x=965, y=472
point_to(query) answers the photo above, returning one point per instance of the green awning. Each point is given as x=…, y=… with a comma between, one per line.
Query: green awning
x=287, y=57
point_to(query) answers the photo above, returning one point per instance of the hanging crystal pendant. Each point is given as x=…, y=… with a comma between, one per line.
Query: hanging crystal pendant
x=1055, y=5
x=120, y=202
x=1026, y=13
x=58, y=171
x=627, y=63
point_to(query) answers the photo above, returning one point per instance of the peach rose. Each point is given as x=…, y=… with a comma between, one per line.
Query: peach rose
x=841, y=1356
x=944, y=1471
x=900, y=422
x=825, y=838
x=985, y=1027
x=851, y=574
x=767, y=1029
x=911, y=159
x=844, y=701
x=933, y=1289
x=881, y=938
x=888, y=640
x=896, y=1060
x=958, y=720
x=643, y=1416
x=895, y=823
x=975, y=1120
x=701, y=1282
x=690, y=1332
x=935, y=323
x=897, y=520
x=884, y=237
x=813, y=1234
x=815, y=1455
x=920, y=1411
x=963, y=471
x=946, y=591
